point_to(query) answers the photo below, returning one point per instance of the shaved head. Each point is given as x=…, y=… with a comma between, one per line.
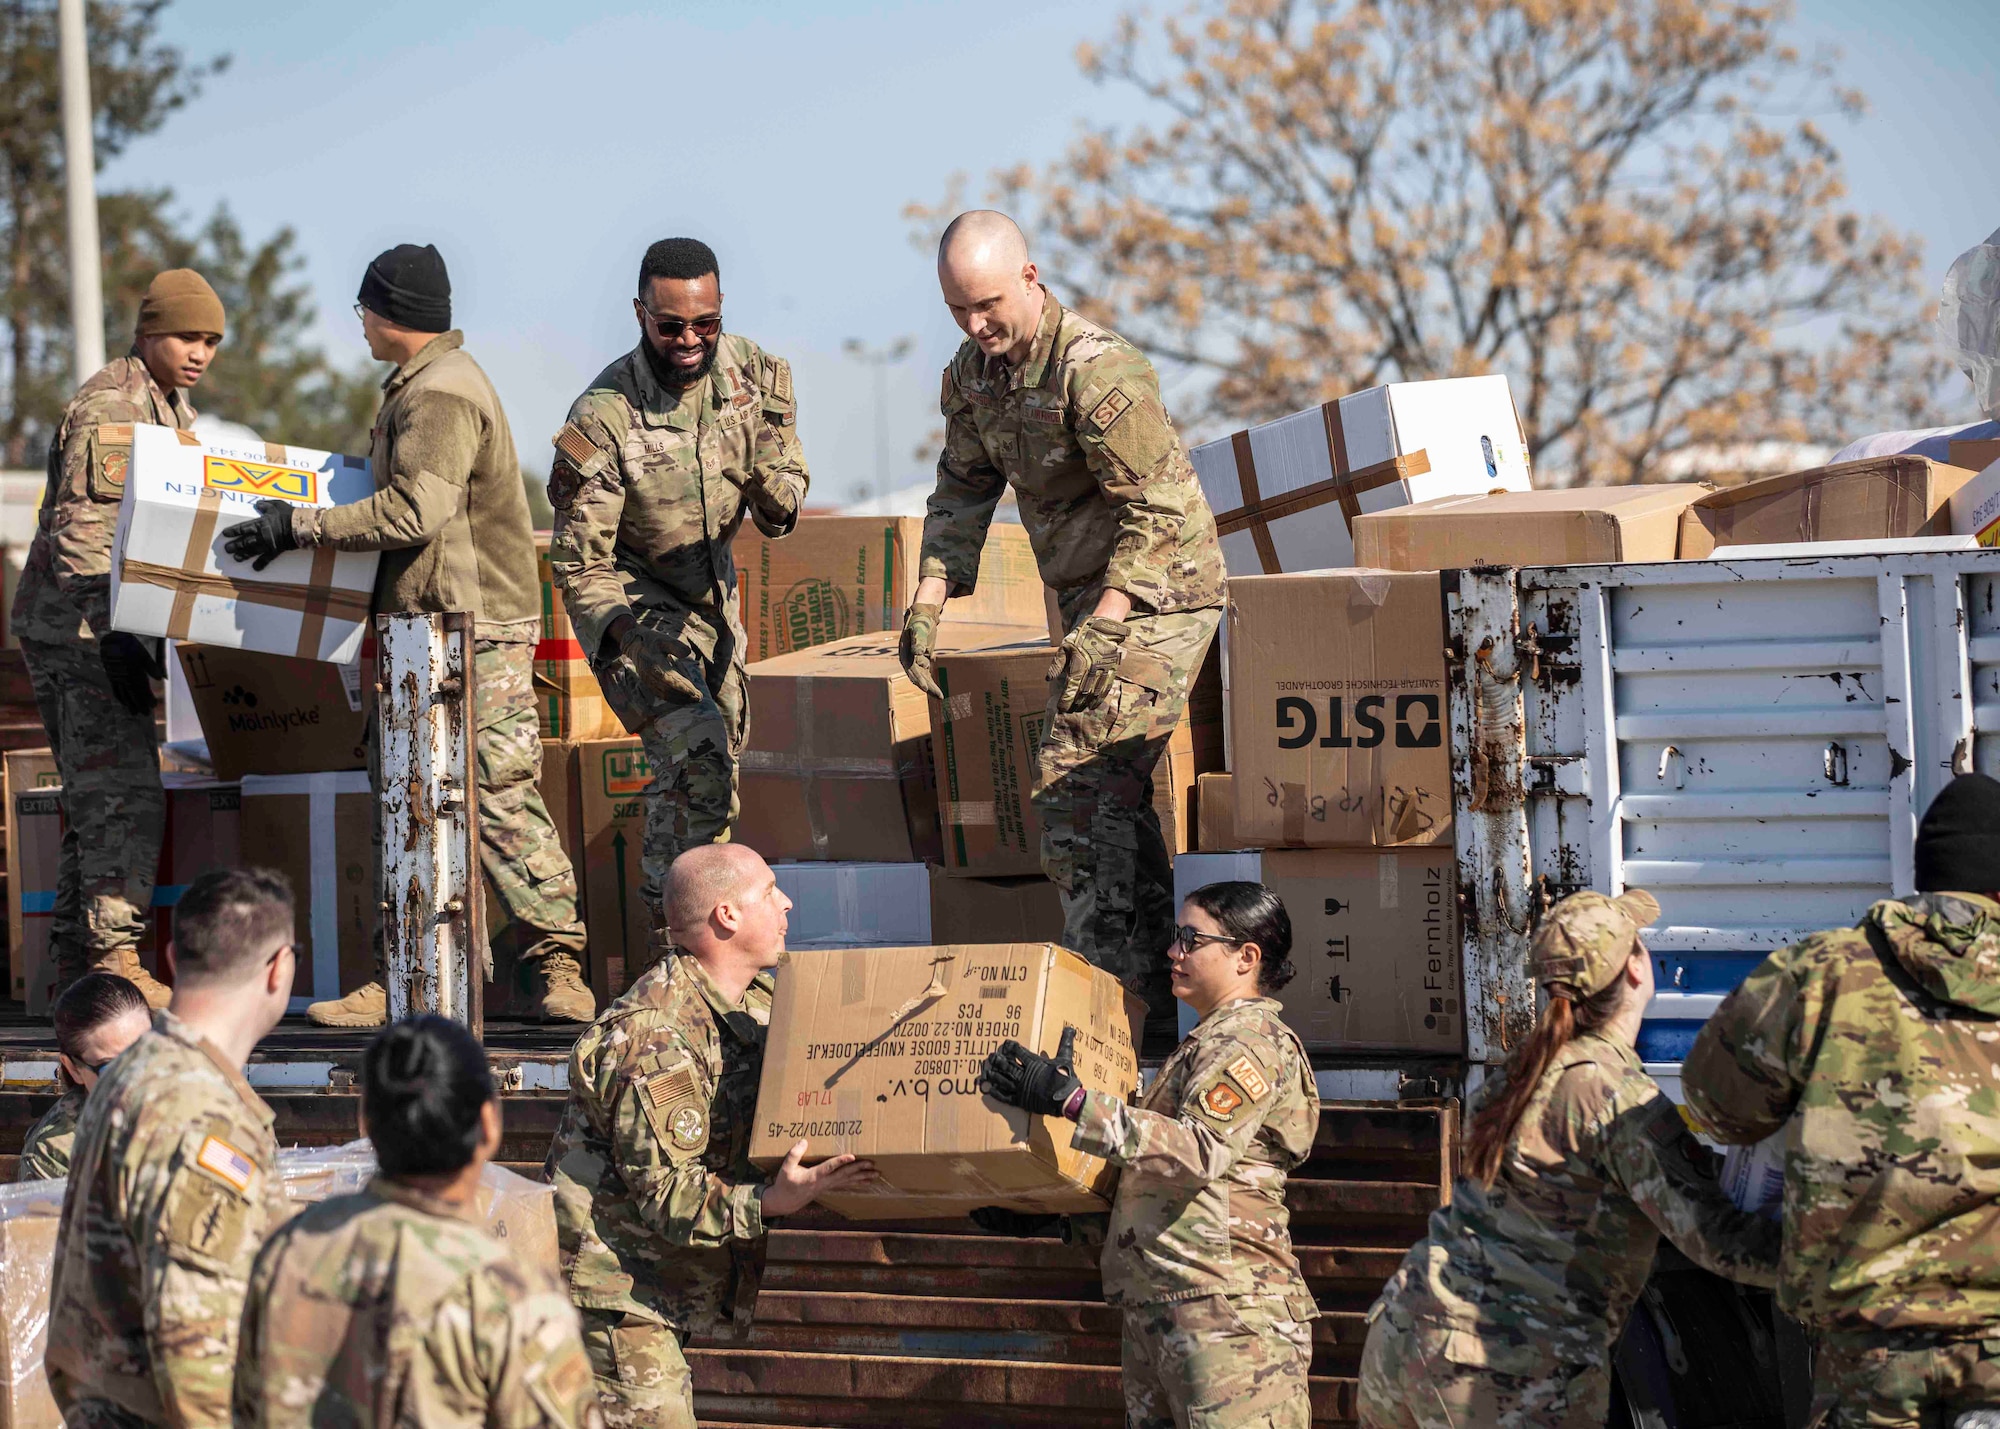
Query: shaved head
x=726, y=911
x=705, y=876
x=993, y=291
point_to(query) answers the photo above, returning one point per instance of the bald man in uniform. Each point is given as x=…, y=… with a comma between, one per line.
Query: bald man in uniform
x=1069, y=414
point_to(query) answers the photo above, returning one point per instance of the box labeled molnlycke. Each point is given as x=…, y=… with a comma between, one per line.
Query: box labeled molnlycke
x=171, y=577
x=1337, y=709
x=877, y=1051
x=1286, y=494
x=275, y=714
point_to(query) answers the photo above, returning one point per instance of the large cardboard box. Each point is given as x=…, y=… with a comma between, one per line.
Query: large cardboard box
x=1974, y=455
x=568, y=700
x=275, y=714
x=318, y=830
x=1337, y=709
x=1975, y=506
x=856, y=905
x=171, y=577
x=839, y=765
x=611, y=780
x=1010, y=910
x=1286, y=494
x=1215, y=809
x=1876, y=498
x=1574, y=526
x=202, y=833
x=836, y=576
x=986, y=733
x=877, y=1051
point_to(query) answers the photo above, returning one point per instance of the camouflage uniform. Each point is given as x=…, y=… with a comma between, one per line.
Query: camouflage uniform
x=1506, y=1313
x=172, y=1189
x=657, y=1204
x=450, y=517
x=114, y=809
x=1109, y=500
x=1198, y=1251
x=1875, y=1050
x=649, y=488
x=45, y=1155
x=392, y=1307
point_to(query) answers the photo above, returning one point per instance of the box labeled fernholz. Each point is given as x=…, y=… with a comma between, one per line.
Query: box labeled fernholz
x=877, y=1051
x=170, y=576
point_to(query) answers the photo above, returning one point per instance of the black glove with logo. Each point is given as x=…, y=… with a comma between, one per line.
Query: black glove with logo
x=998, y=1220
x=1029, y=1080
x=263, y=540
x=132, y=665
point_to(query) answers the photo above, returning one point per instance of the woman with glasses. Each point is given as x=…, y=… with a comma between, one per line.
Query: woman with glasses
x=1507, y=1311
x=97, y=1017
x=1198, y=1248
x=393, y=1306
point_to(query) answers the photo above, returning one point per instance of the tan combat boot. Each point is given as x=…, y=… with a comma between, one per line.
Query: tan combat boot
x=125, y=963
x=366, y=1006
x=565, y=996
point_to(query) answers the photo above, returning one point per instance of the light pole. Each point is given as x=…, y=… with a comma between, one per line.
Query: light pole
x=881, y=359
x=86, y=280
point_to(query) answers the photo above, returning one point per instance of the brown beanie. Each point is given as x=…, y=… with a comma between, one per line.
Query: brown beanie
x=180, y=300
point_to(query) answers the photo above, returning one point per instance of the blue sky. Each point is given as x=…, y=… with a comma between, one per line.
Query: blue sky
x=541, y=146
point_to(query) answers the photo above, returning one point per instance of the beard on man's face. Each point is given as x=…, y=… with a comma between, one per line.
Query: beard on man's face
x=671, y=374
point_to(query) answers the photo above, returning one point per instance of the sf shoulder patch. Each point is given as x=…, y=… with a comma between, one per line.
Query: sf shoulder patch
x=227, y=1164
x=1115, y=405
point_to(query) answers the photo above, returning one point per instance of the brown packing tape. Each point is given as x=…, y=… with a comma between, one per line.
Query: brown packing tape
x=1246, y=479
x=201, y=532
x=1343, y=489
x=1292, y=808
x=312, y=621
x=344, y=604
x=1336, y=450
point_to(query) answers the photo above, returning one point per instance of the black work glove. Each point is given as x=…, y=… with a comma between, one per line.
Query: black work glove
x=263, y=540
x=132, y=665
x=1029, y=1080
x=998, y=1220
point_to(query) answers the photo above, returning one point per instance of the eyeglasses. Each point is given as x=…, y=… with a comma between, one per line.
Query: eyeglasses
x=671, y=328
x=361, y=312
x=1188, y=938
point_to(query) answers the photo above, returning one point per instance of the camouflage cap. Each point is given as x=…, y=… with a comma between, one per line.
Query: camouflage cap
x=1585, y=939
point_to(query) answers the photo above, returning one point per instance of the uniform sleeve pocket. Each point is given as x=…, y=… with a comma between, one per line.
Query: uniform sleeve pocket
x=672, y=1101
x=107, y=460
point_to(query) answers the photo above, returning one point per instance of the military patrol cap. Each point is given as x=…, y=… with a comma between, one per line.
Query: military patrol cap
x=1583, y=943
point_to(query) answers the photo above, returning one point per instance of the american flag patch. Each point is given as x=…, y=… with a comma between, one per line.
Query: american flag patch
x=668, y=1088
x=226, y=1163
x=575, y=445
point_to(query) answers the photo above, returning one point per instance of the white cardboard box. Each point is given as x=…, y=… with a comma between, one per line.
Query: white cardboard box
x=170, y=576
x=1975, y=508
x=1284, y=493
x=857, y=905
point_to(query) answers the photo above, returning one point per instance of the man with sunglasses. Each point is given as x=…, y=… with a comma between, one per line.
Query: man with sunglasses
x=662, y=458
x=450, y=517
x=97, y=1017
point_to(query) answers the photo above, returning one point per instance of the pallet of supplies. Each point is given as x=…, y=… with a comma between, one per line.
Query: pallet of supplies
x=877, y=1051
x=1286, y=494
x=171, y=577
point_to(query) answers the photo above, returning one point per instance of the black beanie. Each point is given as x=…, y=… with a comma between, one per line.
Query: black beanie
x=1958, y=842
x=408, y=286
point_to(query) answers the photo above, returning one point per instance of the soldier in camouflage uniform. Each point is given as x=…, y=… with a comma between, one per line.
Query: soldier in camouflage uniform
x=1070, y=415
x=93, y=685
x=1198, y=1249
x=1874, y=1051
x=394, y=1307
x=97, y=1017
x=450, y=516
x=175, y=1179
x=660, y=1215
x=672, y=446
x=1507, y=1312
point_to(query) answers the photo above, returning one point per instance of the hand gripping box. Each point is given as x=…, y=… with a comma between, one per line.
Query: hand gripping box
x=877, y=1051
x=170, y=576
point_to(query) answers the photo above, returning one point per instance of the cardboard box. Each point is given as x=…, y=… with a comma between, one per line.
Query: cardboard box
x=568, y=700
x=275, y=714
x=856, y=905
x=1574, y=526
x=986, y=733
x=1975, y=455
x=836, y=576
x=1337, y=709
x=1011, y=910
x=1975, y=506
x=611, y=780
x=170, y=576
x=877, y=1051
x=202, y=833
x=24, y=770
x=1878, y=498
x=1215, y=809
x=1286, y=493
x=507, y=994
x=318, y=830
x=839, y=765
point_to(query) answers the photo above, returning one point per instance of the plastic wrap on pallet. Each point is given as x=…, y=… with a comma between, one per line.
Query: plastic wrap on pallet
x=1968, y=320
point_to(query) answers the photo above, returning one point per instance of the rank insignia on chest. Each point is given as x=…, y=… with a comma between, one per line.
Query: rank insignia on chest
x=1115, y=405
x=688, y=1127
x=1220, y=1101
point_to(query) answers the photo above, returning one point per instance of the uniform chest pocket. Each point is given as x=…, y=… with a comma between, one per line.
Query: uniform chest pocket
x=661, y=453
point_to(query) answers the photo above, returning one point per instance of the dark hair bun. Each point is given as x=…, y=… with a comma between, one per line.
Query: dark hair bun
x=424, y=1081
x=1252, y=913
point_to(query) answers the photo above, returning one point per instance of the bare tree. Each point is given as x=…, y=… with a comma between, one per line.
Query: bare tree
x=1627, y=206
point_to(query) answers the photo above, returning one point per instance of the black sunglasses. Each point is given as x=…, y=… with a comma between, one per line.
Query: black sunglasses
x=671, y=328
x=1187, y=938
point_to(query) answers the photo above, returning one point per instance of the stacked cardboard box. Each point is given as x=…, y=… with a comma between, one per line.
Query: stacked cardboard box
x=568, y=699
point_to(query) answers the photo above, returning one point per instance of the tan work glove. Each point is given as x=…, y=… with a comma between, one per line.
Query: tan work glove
x=919, y=648
x=657, y=657
x=1088, y=663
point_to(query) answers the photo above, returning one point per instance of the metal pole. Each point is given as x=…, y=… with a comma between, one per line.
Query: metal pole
x=86, y=278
